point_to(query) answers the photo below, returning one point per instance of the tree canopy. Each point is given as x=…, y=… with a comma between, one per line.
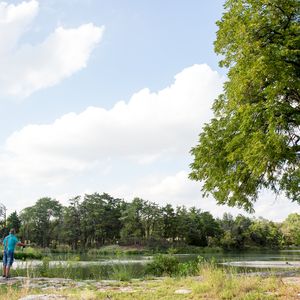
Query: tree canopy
x=96, y=220
x=253, y=140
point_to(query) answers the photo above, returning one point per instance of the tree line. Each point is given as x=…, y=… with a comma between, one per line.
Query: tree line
x=99, y=219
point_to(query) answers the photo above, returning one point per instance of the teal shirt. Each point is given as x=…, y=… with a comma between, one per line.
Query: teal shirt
x=10, y=242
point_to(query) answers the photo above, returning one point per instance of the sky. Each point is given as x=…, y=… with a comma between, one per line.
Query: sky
x=109, y=96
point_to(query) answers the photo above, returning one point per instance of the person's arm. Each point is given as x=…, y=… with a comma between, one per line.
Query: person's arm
x=21, y=244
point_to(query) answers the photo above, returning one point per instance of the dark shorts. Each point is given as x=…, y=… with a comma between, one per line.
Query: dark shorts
x=8, y=258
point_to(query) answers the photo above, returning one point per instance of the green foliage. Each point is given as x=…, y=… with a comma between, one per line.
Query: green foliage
x=143, y=228
x=41, y=222
x=163, y=264
x=123, y=272
x=142, y=220
x=265, y=233
x=253, y=141
x=168, y=264
x=72, y=223
x=13, y=221
x=190, y=268
x=44, y=269
x=291, y=229
x=100, y=219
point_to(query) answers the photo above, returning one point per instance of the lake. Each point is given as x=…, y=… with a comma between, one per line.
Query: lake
x=117, y=267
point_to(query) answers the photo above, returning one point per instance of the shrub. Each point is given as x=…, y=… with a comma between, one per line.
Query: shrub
x=191, y=267
x=163, y=264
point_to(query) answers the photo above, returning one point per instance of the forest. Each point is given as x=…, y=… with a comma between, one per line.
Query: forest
x=97, y=219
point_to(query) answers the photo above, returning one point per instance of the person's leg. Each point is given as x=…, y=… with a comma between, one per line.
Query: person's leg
x=7, y=271
x=4, y=263
x=10, y=260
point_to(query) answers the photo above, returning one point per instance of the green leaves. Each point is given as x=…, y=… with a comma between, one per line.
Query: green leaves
x=254, y=140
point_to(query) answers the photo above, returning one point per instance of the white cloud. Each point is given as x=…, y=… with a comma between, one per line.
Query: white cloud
x=149, y=126
x=27, y=68
x=87, y=147
x=14, y=21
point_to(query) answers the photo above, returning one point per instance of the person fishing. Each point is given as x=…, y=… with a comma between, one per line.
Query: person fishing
x=9, y=244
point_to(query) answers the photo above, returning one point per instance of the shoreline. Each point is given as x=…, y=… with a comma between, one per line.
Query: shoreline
x=209, y=284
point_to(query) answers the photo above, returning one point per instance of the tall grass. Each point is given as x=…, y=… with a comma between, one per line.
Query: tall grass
x=211, y=283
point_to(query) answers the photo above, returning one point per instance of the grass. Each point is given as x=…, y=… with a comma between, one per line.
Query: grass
x=211, y=283
x=70, y=270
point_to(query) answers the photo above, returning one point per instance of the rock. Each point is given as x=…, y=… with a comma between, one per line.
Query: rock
x=44, y=297
x=291, y=280
x=126, y=289
x=183, y=291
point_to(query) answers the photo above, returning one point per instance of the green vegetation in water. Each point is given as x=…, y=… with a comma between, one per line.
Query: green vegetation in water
x=162, y=265
x=70, y=270
x=124, y=251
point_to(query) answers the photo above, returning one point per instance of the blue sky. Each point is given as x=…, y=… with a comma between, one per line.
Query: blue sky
x=108, y=96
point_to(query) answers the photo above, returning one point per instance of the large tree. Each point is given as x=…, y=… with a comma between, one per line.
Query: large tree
x=42, y=222
x=13, y=221
x=253, y=141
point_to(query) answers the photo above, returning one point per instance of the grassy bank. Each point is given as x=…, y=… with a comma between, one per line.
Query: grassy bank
x=211, y=283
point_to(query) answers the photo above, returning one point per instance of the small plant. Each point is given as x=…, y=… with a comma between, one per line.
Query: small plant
x=121, y=272
x=44, y=268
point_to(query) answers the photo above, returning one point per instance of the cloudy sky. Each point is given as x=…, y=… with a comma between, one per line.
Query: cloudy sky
x=108, y=96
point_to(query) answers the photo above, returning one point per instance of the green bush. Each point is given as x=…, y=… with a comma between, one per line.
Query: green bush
x=190, y=268
x=163, y=264
x=168, y=264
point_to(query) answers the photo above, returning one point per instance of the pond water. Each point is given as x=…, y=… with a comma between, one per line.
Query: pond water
x=118, y=267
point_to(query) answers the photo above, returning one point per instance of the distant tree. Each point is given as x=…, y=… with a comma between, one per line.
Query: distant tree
x=183, y=223
x=202, y=226
x=72, y=223
x=151, y=220
x=265, y=233
x=92, y=225
x=13, y=221
x=27, y=223
x=133, y=229
x=253, y=141
x=41, y=221
x=169, y=222
x=235, y=231
x=240, y=231
x=291, y=229
x=112, y=217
